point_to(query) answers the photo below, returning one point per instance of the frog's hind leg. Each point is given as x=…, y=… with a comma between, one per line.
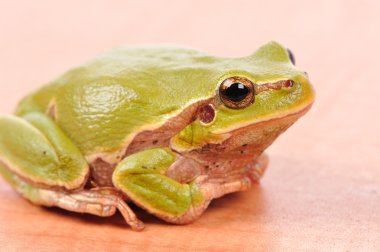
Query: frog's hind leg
x=37, y=150
x=101, y=202
x=44, y=165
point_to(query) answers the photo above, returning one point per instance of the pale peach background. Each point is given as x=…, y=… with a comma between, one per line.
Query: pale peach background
x=322, y=189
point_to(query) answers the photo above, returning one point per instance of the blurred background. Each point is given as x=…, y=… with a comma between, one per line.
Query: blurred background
x=39, y=40
x=322, y=190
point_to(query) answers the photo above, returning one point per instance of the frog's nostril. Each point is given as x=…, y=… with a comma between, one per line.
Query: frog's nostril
x=291, y=57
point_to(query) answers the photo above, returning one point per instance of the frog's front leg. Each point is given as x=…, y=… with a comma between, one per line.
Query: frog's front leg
x=143, y=177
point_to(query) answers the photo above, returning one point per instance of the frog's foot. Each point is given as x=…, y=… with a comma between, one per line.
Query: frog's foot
x=102, y=202
x=257, y=169
x=209, y=189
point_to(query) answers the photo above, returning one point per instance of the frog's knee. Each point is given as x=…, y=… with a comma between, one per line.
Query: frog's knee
x=41, y=154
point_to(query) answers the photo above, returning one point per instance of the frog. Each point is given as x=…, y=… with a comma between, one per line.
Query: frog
x=166, y=128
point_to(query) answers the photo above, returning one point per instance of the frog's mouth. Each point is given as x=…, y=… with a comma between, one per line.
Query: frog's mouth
x=250, y=140
x=292, y=117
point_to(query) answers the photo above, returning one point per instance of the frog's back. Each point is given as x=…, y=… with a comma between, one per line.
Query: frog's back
x=120, y=92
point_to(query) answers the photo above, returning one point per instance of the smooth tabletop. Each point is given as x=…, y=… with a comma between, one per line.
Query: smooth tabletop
x=322, y=189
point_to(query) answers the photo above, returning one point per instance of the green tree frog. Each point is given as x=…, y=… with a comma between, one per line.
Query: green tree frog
x=166, y=128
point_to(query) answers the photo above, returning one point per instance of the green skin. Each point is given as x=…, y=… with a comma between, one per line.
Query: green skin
x=98, y=109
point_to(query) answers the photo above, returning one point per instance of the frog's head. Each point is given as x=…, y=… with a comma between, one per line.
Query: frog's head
x=256, y=99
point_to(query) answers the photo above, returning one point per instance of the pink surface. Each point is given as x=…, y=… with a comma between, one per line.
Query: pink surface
x=322, y=189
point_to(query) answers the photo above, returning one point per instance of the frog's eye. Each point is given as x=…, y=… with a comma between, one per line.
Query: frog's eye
x=237, y=92
x=291, y=57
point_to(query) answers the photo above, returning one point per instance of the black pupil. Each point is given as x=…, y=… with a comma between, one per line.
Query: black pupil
x=236, y=92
